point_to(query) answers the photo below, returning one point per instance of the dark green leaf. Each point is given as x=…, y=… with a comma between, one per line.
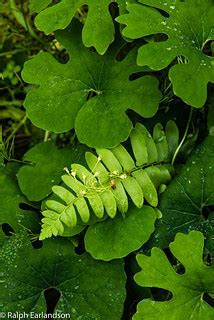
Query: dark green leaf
x=116, y=238
x=98, y=29
x=189, y=28
x=47, y=163
x=90, y=93
x=188, y=202
x=10, y=200
x=88, y=289
x=187, y=289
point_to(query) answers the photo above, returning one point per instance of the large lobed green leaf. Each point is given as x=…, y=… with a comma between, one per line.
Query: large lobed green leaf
x=188, y=289
x=187, y=204
x=88, y=289
x=65, y=97
x=188, y=28
x=98, y=30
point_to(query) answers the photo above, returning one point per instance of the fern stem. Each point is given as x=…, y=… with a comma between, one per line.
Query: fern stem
x=184, y=137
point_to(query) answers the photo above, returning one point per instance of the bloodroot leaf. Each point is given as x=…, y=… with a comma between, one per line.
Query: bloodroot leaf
x=90, y=93
x=45, y=168
x=188, y=25
x=187, y=289
x=188, y=202
x=88, y=289
x=116, y=238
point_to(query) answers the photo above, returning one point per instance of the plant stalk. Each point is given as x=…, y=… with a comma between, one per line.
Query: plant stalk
x=184, y=137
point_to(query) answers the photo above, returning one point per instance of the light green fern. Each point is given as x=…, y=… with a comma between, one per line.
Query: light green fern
x=112, y=177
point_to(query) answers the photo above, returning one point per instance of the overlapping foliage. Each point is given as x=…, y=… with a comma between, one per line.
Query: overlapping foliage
x=189, y=27
x=113, y=175
x=107, y=148
x=95, y=92
x=83, y=284
x=187, y=204
x=98, y=23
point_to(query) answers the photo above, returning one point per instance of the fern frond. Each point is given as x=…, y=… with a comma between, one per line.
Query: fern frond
x=114, y=175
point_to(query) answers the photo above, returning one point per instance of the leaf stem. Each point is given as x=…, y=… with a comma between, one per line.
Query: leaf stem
x=12, y=52
x=16, y=129
x=184, y=137
x=46, y=136
x=5, y=103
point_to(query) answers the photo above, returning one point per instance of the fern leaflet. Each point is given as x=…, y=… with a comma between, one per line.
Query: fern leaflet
x=113, y=175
